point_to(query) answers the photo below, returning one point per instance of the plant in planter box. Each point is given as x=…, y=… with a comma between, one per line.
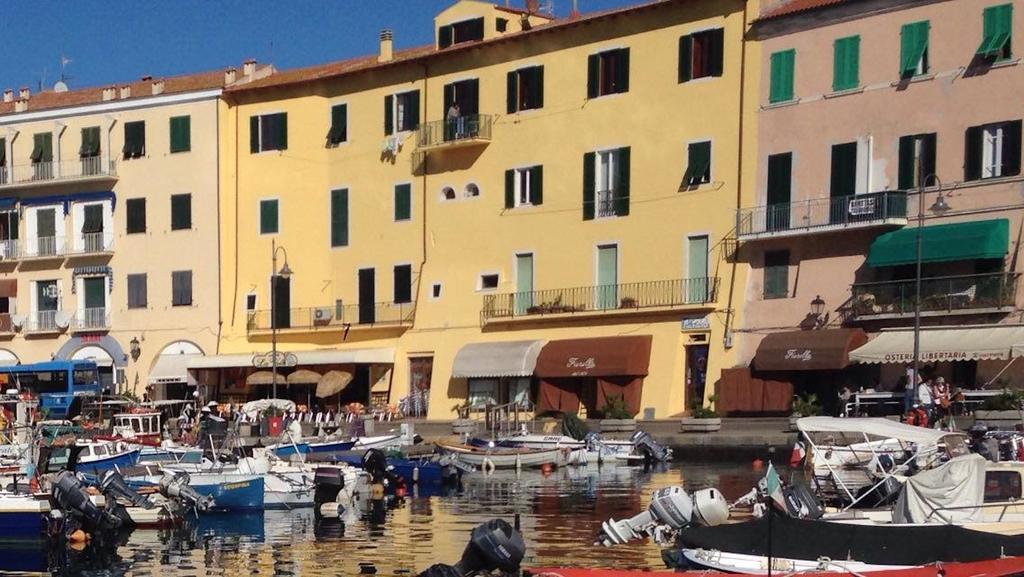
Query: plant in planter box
x=703, y=418
x=1008, y=400
x=627, y=303
x=806, y=405
x=699, y=411
x=616, y=409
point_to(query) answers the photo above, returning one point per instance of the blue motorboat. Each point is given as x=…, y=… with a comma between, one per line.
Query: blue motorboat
x=325, y=447
x=23, y=517
x=99, y=456
x=285, y=450
x=230, y=491
x=414, y=471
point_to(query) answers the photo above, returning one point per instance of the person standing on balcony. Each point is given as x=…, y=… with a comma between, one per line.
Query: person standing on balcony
x=455, y=120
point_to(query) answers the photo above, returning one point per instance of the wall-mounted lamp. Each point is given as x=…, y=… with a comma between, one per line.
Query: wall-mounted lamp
x=134, y=349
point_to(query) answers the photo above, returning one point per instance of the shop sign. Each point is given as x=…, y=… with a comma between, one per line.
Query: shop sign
x=697, y=324
x=802, y=355
x=581, y=366
x=266, y=360
x=931, y=356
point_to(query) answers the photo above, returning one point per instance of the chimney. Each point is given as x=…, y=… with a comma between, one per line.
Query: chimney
x=8, y=95
x=147, y=78
x=532, y=6
x=249, y=67
x=158, y=86
x=21, y=105
x=387, y=47
x=126, y=91
x=230, y=75
x=24, y=93
x=108, y=93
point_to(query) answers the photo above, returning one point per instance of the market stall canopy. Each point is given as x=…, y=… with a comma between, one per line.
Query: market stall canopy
x=265, y=378
x=827, y=349
x=310, y=357
x=332, y=383
x=501, y=359
x=171, y=369
x=963, y=343
x=595, y=357
x=979, y=239
x=876, y=427
x=304, y=377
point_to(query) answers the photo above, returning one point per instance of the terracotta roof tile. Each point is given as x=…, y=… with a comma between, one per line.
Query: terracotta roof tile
x=797, y=6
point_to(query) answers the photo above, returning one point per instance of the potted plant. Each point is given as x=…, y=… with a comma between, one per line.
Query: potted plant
x=616, y=417
x=803, y=406
x=627, y=303
x=702, y=419
x=1002, y=411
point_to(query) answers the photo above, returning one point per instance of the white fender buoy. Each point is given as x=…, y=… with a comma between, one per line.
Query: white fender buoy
x=487, y=466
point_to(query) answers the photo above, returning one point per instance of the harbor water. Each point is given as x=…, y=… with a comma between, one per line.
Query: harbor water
x=560, y=514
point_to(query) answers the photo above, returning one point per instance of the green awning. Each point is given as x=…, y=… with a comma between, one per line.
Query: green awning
x=942, y=243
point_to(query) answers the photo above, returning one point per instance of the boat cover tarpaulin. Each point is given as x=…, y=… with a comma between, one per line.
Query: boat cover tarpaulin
x=951, y=493
x=873, y=427
x=252, y=409
x=876, y=544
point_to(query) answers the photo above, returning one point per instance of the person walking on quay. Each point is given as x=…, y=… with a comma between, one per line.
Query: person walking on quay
x=940, y=396
x=910, y=382
x=924, y=398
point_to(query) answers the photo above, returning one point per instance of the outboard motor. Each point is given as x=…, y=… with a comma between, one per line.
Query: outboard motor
x=651, y=450
x=69, y=493
x=328, y=481
x=176, y=486
x=672, y=509
x=375, y=463
x=494, y=545
x=112, y=486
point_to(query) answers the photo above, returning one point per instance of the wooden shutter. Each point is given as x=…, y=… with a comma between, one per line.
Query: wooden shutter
x=268, y=217
x=621, y=200
x=282, y=128
x=181, y=133
x=846, y=63
x=844, y=170
x=906, y=178
x=510, y=188
x=537, y=185
x=685, y=58
x=181, y=211
x=716, y=49
x=588, y=185
x=412, y=110
x=781, y=82
x=90, y=142
x=181, y=288
x=974, y=140
x=780, y=178
x=622, y=70
x=511, y=93
x=282, y=302
x=339, y=217
x=537, y=87
x=469, y=93
x=593, y=75
x=137, y=291
x=776, y=274
x=928, y=150
x=444, y=37
x=403, y=283
x=1011, y=148
x=3, y=153
x=254, y=134
x=475, y=28
x=389, y=114
x=339, y=124
x=46, y=141
x=136, y=215
x=403, y=202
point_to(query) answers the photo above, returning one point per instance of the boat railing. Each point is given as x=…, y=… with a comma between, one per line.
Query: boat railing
x=1002, y=505
x=503, y=420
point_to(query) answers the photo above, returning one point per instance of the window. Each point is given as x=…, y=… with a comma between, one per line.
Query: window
x=339, y=217
x=92, y=218
x=524, y=186
x=465, y=31
x=435, y=290
x=700, y=54
x=403, y=202
x=134, y=139
x=268, y=132
x=992, y=150
x=606, y=183
x=698, y=166
x=250, y=302
x=488, y=282
x=917, y=160
x=844, y=170
x=846, y=63
x=181, y=211
x=447, y=193
x=525, y=89
x=339, y=125
x=90, y=142
x=472, y=190
x=181, y=288
x=997, y=30
x=776, y=274
x=136, y=215
x=501, y=24
x=137, y=291
x=608, y=73
x=403, y=283
x=42, y=147
x=181, y=134
x=269, y=216
x=1002, y=486
x=401, y=112
x=914, y=49
x=465, y=93
x=781, y=82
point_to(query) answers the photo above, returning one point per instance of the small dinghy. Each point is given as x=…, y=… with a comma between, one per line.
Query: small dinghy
x=506, y=458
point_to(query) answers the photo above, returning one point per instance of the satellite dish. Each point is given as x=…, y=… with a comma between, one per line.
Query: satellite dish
x=60, y=86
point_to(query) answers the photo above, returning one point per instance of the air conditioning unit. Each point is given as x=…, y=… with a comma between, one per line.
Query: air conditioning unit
x=323, y=315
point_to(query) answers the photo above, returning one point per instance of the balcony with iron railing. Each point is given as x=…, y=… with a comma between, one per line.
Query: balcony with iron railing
x=616, y=299
x=940, y=296
x=43, y=322
x=43, y=247
x=10, y=249
x=87, y=169
x=468, y=130
x=91, y=319
x=822, y=215
x=92, y=243
x=334, y=318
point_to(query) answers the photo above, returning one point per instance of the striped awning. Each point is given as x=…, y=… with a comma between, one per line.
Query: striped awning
x=501, y=359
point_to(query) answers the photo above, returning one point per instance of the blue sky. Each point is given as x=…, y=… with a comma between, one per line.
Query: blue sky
x=118, y=40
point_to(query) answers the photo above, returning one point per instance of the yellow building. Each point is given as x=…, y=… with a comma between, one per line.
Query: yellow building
x=435, y=248
x=108, y=226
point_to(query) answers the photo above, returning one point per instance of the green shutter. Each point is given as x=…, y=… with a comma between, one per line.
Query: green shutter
x=537, y=185
x=339, y=124
x=537, y=87
x=412, y=110
x=698, y=163
x=136, y=215
x=685, y=58
x=776, y=274
x=403, y=202
x=389, y=114
x=444, y=37
x=913, y=43
x=588, y=185
x=3, y=153
x=593, y=75
x=906, y=177
x=781, y=86
x=42, y=147
x=181, y=134
x=510, y=188
x=622, y=70
x=339, y=217
x=268, y=217
x=621, y=199
x=974, y=140
x=254, y=134
x=511, y=92
x=181, y=211
x=997, y=30
x=846, y=63
x=90, y=142
x=282, y=135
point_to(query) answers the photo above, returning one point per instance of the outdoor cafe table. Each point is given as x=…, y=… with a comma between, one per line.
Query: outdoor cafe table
x=971, y=396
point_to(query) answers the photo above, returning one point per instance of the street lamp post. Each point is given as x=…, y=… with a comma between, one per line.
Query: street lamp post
x=939, y=206
x=275, y=274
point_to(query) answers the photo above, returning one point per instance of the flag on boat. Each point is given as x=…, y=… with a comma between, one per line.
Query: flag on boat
x=796, y=458
x=773, y=486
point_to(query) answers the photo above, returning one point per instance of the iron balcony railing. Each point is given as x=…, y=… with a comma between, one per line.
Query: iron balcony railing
x=822, y=214
x=337, y=316
x=36, y=172
x=43, y=246
x=42, y=322
x=602, y=298
x=92, y=318
x=948, y=294
x=94, y=242
x=464, y=129
x=10, y=249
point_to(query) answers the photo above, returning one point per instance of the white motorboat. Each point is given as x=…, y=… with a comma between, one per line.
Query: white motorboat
x=757, y=565
x=506, y=458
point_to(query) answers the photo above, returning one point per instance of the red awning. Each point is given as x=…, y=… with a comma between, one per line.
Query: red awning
x=821, y=350
x=595, y=357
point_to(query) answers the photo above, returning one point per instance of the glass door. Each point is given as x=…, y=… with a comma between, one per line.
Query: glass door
x=697, y=289
x=524, y=283
x=607, y=277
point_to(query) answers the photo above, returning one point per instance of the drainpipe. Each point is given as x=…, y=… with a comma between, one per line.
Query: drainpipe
x=234, y=290
x=423, y=194
x=220, y=292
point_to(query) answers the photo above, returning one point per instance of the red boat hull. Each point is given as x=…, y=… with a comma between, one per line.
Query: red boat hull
x=991, y=568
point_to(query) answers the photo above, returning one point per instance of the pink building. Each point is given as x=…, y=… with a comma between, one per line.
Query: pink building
x=863, y=104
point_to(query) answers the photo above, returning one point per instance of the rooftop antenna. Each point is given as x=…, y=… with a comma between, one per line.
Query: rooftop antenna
x=42, y=80
x=64, y=61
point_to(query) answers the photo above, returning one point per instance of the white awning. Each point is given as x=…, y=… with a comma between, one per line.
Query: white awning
x=501, y=359
x=313, y=357
x=968, y=343
x=172, y=369
x=7, y=358
x=95, y=354
x=872, y=427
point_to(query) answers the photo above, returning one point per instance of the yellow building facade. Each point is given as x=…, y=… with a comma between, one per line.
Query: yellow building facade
x=528, y=208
